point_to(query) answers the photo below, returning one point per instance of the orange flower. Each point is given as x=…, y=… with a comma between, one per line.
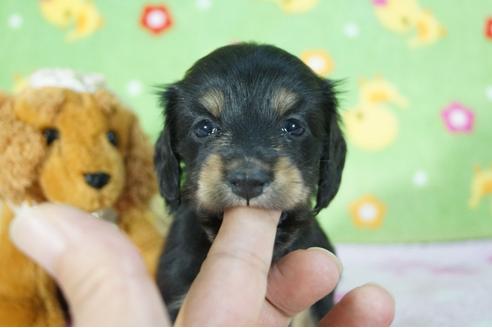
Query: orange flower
x=319, y=61
x=367, y=212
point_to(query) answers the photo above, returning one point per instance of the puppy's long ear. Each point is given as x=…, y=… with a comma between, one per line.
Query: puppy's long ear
x=165, y=159
x=334, y=151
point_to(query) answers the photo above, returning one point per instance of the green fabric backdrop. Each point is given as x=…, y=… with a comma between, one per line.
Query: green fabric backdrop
x=416, y=93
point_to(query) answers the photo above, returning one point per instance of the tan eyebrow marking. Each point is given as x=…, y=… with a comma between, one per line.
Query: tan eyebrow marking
x=213, y=101
x=283, y=99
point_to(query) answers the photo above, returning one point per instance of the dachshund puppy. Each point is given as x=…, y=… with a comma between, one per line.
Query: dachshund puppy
x=249, y=125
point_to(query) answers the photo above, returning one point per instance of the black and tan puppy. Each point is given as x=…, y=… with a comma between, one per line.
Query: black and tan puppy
x=249, y=125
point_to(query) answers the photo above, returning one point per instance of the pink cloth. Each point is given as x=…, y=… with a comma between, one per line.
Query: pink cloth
x=433, y=284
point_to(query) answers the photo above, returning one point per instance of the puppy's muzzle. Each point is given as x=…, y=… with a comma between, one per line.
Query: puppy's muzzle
x=249, y=182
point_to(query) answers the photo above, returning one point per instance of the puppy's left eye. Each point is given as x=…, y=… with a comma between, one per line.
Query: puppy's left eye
x=205, y=128
x=112, y=137
x=293, y=127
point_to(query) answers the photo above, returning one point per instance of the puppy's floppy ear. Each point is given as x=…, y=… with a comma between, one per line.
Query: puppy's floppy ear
x=334, y=151
x=165, y=159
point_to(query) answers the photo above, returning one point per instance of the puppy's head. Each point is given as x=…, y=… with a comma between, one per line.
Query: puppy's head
x=250, y=125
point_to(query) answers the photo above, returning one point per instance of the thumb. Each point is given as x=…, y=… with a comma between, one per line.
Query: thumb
x=98, y=269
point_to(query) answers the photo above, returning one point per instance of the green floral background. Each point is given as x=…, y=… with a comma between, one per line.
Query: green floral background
x=416, y=96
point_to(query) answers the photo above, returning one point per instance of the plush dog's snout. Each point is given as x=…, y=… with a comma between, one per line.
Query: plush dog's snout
x=248, y=183
x=97, y=180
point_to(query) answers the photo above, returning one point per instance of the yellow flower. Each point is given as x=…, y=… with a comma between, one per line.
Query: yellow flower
x=367, y=212
x=319, y=61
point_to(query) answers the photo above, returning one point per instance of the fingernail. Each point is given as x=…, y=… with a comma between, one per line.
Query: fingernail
x=33, y=234
x=333, y=256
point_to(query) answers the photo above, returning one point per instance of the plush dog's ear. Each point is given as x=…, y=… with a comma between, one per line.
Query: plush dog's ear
x=334, y=151
x=140, y=183
x=22, y=150
x=166, y=161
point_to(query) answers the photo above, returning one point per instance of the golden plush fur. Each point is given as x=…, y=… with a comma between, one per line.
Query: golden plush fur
x=33, y=171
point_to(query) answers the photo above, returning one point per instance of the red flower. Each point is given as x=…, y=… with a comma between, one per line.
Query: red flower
x=156, y=18
x=488, y=28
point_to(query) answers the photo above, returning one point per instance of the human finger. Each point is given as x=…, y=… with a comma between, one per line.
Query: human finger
x=231, y=285
x=98, y=269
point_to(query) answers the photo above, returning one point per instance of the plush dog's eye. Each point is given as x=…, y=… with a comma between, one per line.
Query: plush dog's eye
x=50, y=135
x=293, y=127
x=112, y=137
x=205, y=128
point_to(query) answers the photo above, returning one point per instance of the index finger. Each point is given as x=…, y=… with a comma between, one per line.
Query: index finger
x=231, y=286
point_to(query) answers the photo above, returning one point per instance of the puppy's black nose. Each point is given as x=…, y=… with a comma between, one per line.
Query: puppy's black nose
x=248, y=183
x=97, y=180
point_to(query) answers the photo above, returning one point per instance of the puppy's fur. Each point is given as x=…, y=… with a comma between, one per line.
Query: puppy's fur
x=248, y=125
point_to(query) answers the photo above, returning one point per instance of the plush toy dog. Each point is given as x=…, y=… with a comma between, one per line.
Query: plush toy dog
x=66, y=139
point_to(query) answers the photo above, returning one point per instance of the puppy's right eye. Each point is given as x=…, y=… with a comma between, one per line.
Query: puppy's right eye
x=293, y=127
x=50, y=135
x=205, y=128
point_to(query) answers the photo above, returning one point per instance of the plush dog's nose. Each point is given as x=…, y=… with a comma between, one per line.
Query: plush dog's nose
x=248, y=183
x=97, y=180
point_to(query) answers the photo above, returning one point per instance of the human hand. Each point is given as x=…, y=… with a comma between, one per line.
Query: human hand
x=105, y=281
